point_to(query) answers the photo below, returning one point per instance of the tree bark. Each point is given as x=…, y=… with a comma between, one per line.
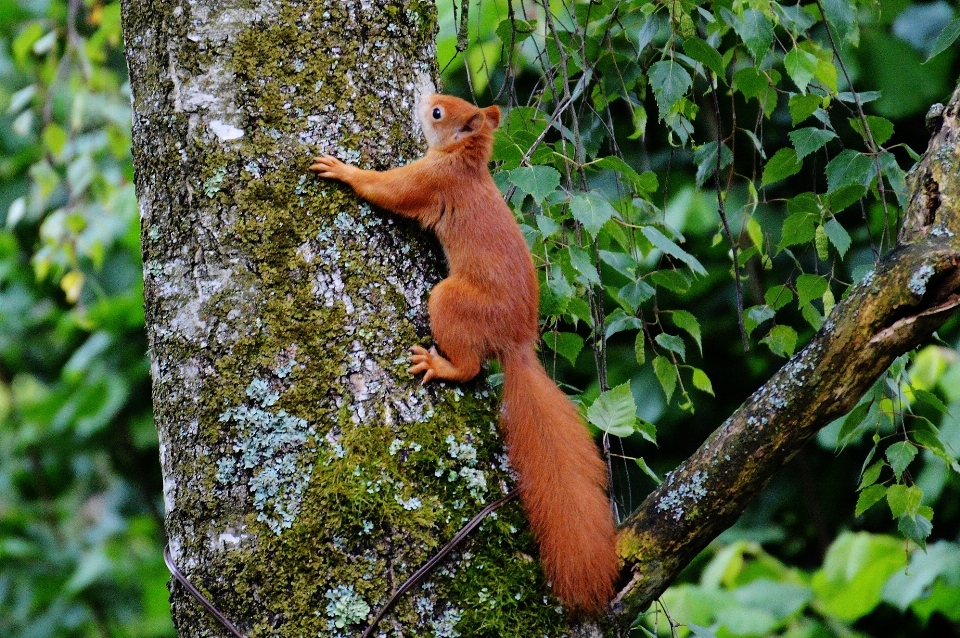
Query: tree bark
x=912, y=291
x=306, y=473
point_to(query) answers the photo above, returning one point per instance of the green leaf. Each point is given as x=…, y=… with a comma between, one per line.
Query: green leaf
x=810, y=140
x=926, y=434
x=646, y=470
x=803, y=106
x=672, y=280
x=635, y=293
x=705, y=158
x=556, y=296
x=810, y=287
x=666, y=375
x=849, y=168
x=537, y=181
x=838, y=236
x=798, y=228
x=916, y=527
x=778, y=296
x=794, y=18
x=584, y=265
x=903, y=500
x=895, y=176
x=880, y=128
x=547, y=226
x=515, y=31
x=900, y=455
x=929, y=398
x=689, y=324
x=54, y=138
x=869, y=497
x=856, y=567
x=705, y=54
x=614, y=411
x=754, y=29
x=782, y=340
x=871, y=474
x=567, y=344
x=947, y=37
x=646, y=182
x=702, y=382
x=23, y=43
x=756, y=315
x=801, y=67
x=845, y=196
x=913, y=585
x=812, y=316
x=670, y=82
x=700, y=632
x=841, y=14
x=620, y=261
x=662, y=242
x=592, y=210
x=751, y=82
x=618, y=321
x=782, y=165
x=672, y=343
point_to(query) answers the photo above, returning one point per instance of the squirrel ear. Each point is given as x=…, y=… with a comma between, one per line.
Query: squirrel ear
x=473, y=124
x=493, y=116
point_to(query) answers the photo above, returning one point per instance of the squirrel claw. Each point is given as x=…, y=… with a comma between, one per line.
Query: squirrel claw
x=422, y=360
x=326, y=166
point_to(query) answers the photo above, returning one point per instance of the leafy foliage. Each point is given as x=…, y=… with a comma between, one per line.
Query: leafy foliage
x=80, y=512
x=709, y=162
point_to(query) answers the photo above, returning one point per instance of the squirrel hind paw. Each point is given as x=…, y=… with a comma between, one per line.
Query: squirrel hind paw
x=422, y=360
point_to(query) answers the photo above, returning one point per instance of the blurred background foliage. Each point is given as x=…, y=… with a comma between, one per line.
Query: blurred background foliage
x=639, y=294
x=80, y=493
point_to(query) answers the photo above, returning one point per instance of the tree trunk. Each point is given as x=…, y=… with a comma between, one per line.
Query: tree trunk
x=306, y=473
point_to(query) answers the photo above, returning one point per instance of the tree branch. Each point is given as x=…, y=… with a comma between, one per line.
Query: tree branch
x=911, y=292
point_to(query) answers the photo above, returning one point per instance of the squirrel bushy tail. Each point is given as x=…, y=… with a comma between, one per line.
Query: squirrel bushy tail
x=563, y=484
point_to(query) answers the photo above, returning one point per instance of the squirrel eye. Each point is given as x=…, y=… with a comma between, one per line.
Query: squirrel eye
x=437, y=114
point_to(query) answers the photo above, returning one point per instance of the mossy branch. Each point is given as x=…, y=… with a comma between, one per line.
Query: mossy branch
x=911, y=292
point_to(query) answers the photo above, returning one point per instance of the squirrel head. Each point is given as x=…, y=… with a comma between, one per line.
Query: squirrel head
x=450, y=123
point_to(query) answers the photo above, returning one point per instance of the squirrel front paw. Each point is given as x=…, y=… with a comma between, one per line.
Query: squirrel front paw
x=330, y=167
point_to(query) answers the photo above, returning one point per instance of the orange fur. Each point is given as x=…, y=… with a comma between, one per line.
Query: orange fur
x=487, y=308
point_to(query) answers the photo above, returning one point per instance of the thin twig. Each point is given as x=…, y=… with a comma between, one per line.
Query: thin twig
x=722, y=211
x=193, y=591
x=427, y=567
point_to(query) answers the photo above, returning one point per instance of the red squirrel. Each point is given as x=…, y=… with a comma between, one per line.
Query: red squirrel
x=486, y=308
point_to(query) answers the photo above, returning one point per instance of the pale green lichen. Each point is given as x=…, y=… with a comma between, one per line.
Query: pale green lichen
x=918, y=281
x=267, y=456
x=345, y=608
x=212, y=185
x=683, y=498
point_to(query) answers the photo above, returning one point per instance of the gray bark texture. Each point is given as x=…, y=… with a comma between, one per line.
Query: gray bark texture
x=306, y=473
